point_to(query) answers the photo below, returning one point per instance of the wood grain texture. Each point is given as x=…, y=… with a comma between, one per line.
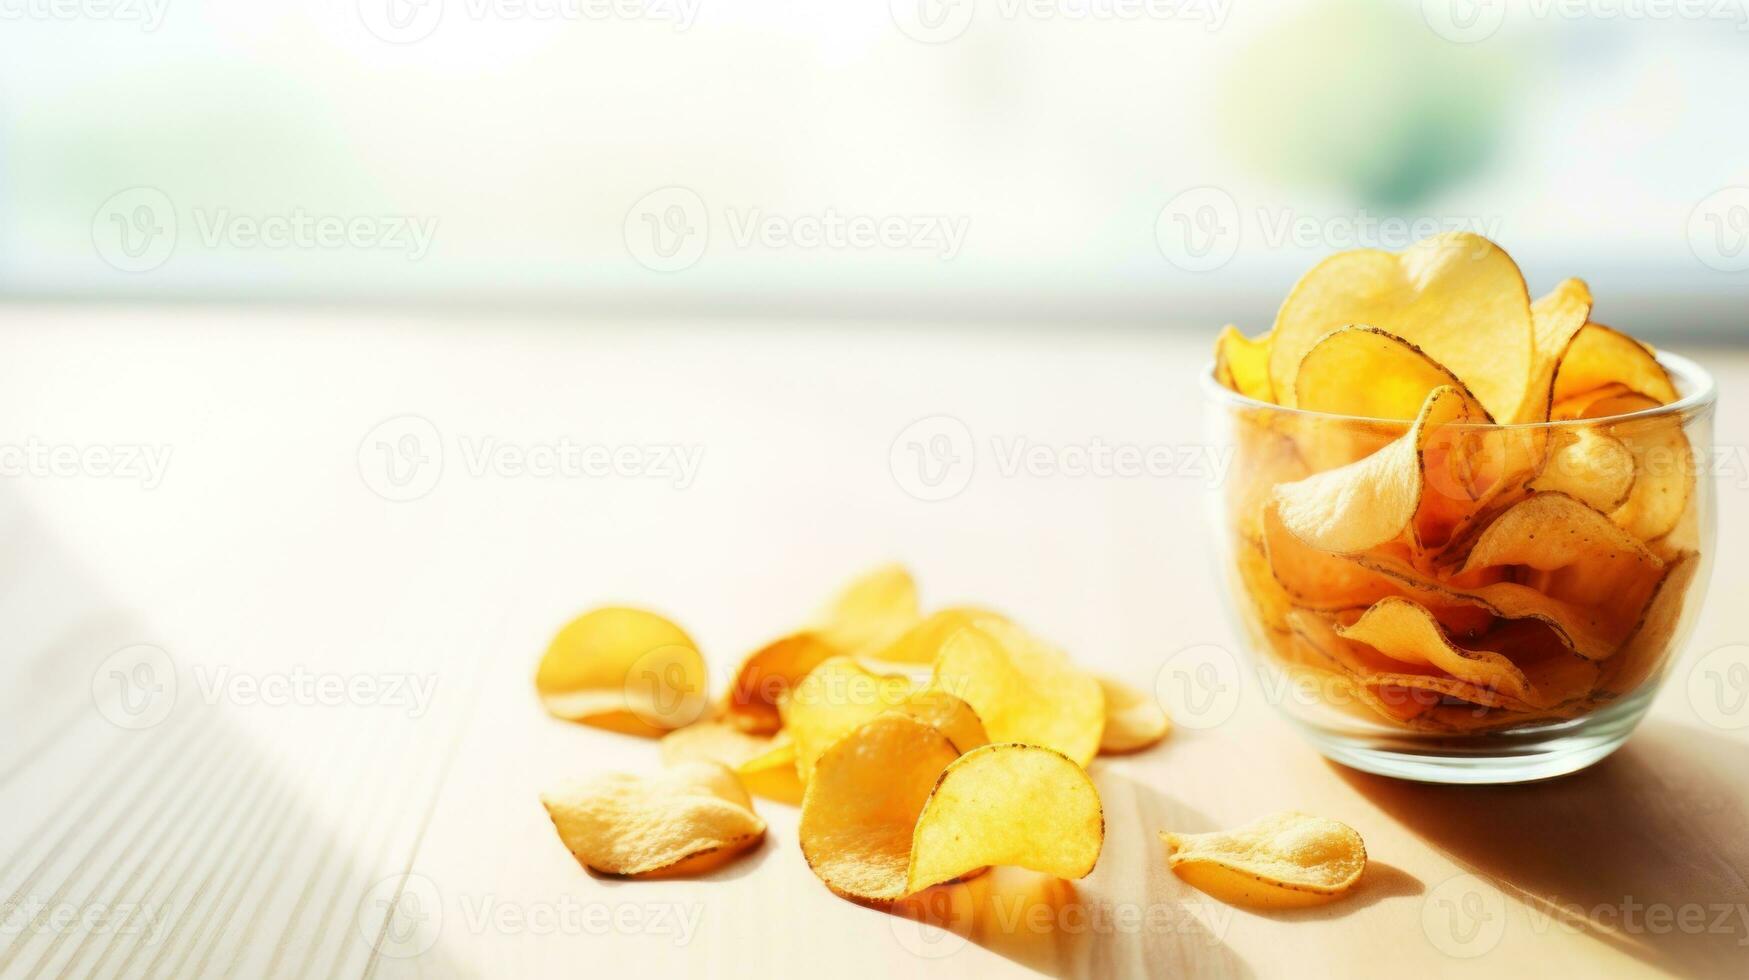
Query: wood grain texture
x=255, y=834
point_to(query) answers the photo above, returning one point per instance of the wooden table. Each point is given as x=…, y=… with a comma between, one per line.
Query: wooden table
x=333, y=682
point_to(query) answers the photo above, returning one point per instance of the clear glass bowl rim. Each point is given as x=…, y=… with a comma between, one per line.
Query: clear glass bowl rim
x=1701, y=394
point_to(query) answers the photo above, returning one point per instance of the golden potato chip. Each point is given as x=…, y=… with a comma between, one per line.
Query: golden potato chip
x=621, y=824
x=834, y=700
x=1589, y=465
x=1598, y=356
x=1555, y=319
x=767, y=675
x=623, y=669
x=1375, y=672
x=1405, y=631
x=1314, y=578
x=1242, y=364
x=1008, y=804
x=861, y=807
x=1650, y=645
x=1022, y=689
x=920, y=643
x=953, y=717
x=1133, y=721
x=1663, y=464
x=1570, y=552
x=1411, y=487
x=870, y=613
x=1287, y=860
x=1456, y=296
x=1369, y=373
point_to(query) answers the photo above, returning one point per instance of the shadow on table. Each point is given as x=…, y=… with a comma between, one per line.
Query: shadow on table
x=1645, y=851
x=1131, y=917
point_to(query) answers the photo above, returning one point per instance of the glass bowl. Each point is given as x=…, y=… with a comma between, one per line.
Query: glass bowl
x=1544, y=654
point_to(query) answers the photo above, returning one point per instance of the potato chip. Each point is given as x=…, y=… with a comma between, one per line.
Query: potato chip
x=1374, y=672
x=1457, y=297
x=953, y=717
x=1287, y=860
x=870, y=613
x=1008, y=804
x=1369, y=373
x=1242, y=364
x=623, y=669
x=1589, y=465
x=1555, y=319
x=1133, y=721
x=834, y=700
x=621, y=824
x=1598, y=356
x=1650, y=645
x=1022, y=689
x=1569, y=552
x=1663, y=463
x=1411, y=487
x=862, y=805
x=920, y=643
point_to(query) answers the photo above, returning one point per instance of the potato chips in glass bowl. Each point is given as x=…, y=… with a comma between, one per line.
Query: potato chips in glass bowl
x=1464, y=533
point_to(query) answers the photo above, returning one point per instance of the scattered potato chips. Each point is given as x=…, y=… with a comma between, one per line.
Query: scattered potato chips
x=620, y=824
x=623, y=669
x=1288, y=860
x=834, y=700
x=1483, y=515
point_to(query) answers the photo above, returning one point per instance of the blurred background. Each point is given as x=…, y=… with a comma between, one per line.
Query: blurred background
x=1158, y=162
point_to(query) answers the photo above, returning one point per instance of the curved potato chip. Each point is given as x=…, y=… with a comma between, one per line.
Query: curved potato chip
x=1569, y=552
x=1286, y=860
x=1008, y=804
x=1589, y=465
x=953, y=717
x=1555, y=319
x=870, y=613
x=1374, y=672
x=1663, y=463
x=767, y=675
x=765, y=763
x=1022, y=689
x=834, y=700
x=621, y=824
x=1598, y=356
x=1133, y=721
x=1456, y=296
x=1651, y=644
x=624, y=669
x=1412, y=487
x=1369, y=373
x=1242, y=364
x=861, y=807
x=920, y=643
x=1405, y=631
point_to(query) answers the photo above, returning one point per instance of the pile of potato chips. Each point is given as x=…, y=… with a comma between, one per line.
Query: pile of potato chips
x=1460, y=509
x=921, y=749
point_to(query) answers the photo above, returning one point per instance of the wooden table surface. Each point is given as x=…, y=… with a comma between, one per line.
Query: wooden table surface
x=253, y=696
